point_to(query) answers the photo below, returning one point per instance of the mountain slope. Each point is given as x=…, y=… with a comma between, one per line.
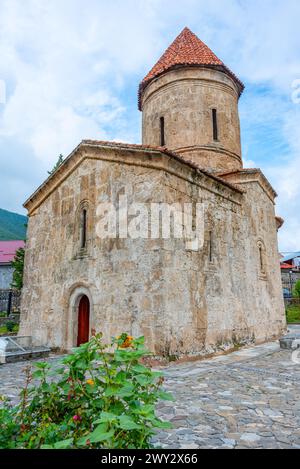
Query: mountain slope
x=12, y=226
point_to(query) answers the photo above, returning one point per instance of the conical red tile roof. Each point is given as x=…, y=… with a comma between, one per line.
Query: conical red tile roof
x=187, y=49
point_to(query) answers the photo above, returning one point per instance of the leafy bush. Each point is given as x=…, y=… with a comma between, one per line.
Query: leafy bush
x=296, y=291
x=101, y=397
x=10, y=326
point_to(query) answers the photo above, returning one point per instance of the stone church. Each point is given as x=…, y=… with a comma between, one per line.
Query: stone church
x=183, y=301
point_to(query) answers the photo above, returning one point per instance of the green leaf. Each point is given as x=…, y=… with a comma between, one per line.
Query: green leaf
x=47, y=447
x=45, y=387
x=157, y=374
x=123, y=355
x=111, y=391
x=81, y=364
x=160, y=424
x=57, y=371
x=146, y=410
x=65, y=386
x=106, y=417
x=140, y=369
x=139, y=340
x=166, y=396
x=98, y=403
x=42, y=365
x=99, y=435
x=82, y=441
x=63, y=444
x=121, y=377
x=68, y=359
x=127, y=423
x=127, y=355
x=125, y=391
x=144, y=380
x=38, y=374
x=117, y=408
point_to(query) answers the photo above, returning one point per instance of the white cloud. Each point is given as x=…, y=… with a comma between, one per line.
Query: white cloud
x=286, y=180
x=71, y=69
x=249, y=163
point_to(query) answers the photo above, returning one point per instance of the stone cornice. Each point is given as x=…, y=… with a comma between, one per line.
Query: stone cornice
x=170, y=75
x=247, y=176
x=138, y=155
x=217, y=148
x=279, y=222
x=201, y=75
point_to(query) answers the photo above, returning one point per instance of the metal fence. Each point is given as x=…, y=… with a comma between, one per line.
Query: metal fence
x=292, y=302
x=288, y=285
x=10, y=301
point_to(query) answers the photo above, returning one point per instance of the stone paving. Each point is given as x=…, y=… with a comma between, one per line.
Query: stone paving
x=247, y=399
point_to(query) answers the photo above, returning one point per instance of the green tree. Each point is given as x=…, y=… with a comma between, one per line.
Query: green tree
x=296, y=291
x=57, y=164
x=18, y=265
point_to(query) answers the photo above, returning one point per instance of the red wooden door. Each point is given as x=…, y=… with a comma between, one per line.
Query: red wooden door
x=83, y=321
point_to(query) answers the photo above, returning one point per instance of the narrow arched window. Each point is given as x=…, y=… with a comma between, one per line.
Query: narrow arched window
x=162, y=131
x=210, y=247
x=82, y=234
x=215, y=125
x=83, y=228
x=262, y=258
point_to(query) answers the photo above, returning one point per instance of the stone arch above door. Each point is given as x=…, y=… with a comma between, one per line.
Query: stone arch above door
x=76, y=293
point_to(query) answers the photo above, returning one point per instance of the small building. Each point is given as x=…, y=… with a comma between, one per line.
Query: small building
x=291, y=261
x=8, y=251
x=290, y=270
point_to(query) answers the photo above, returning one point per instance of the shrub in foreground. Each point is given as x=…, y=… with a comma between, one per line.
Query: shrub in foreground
x=97, y=397
x=10, y=326
x=296, y=290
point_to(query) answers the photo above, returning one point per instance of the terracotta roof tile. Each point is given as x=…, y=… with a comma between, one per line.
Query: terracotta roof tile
x=187, y=49
x=133, y=147
x=166, y=151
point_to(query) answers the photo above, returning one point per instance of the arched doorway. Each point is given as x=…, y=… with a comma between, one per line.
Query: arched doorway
x=83, y=320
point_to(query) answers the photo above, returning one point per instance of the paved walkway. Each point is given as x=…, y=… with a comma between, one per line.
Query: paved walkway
x=248, y=399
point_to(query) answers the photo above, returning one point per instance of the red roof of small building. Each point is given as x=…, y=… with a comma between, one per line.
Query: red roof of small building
x=8, y=250
x=187, y=49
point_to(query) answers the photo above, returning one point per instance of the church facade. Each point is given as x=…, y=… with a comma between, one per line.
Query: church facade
x=183, y=300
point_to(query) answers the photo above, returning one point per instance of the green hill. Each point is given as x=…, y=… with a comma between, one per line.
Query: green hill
x=12, y=226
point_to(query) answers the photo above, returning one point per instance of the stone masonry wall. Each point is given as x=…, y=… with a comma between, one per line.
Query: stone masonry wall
x=117, y=275
x=177, y=298
x=266, y=291
x=185, y=98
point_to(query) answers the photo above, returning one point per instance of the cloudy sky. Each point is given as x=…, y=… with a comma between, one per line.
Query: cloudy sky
x=70, y=69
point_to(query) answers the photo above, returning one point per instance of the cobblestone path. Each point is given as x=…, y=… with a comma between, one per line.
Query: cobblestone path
x=248, y=399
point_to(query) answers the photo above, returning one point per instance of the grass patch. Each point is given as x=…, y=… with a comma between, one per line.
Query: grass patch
x=293, y=314
x=4, y=330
